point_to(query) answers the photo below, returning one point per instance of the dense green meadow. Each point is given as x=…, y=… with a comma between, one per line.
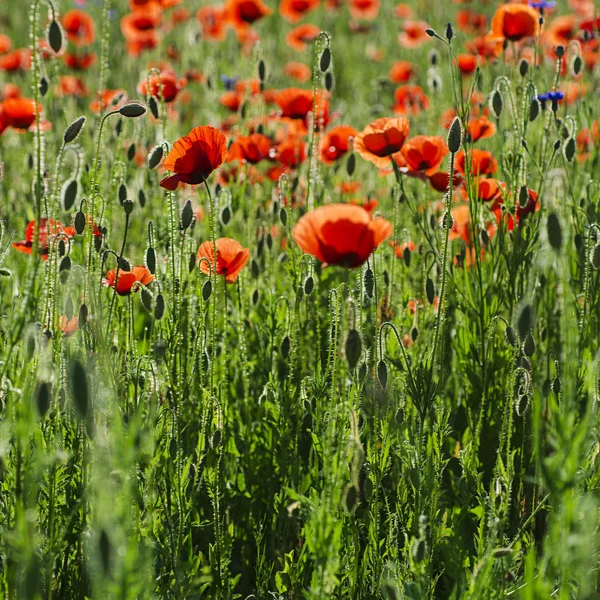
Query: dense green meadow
x=388, y=387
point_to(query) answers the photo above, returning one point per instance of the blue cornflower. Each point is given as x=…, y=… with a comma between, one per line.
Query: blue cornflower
x=229, y=82
x=542, y=5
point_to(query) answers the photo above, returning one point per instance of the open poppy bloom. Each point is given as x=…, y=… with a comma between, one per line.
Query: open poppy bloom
x=481, y=128
x=5, y=44
x=296, y=104
x=440, y=181
x=194, y=157
x=110, y=99
x=401, y=71
x=340, y=234
x=79, y=27
x=242, y=13
x=231, y=258
x=467, y=63
x=166, y=82
x=18, y=113
x=294, y=10
x=298, y=71
x=250, y=148
x=515, y=22
x=488, y=190
x=482, y=162
x=336, y=142
x=48, y=229
x=128, y=281
x=291, y=152
x=425, y=153
x=382, y=138
x=79, y=62
x=410, y=100
x=69, y=85
x=367, y=10
x=140, y=29
x=414, y=34
x=213, y=22
x=17, y=60
x=299, y=38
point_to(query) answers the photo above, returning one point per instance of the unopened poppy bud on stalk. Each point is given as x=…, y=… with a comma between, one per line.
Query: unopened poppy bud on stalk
x=455, y=136
x=132, y=110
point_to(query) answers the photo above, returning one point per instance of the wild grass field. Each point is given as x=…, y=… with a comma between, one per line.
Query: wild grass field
x=299, y=299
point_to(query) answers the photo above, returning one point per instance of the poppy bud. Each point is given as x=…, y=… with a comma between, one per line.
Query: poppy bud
x=82, y=317
x=105, y=550
x=150, y=260
x=132, y=110
x=449, y=32
x=595, y=257
x=556, y=145
x=430, y=290
x=350, y=498
x=497, y=103
x=262, y=70
x=525, y=321
x=328, y=81
x=206, y=290
x=556, y=387
x=142, y=198
x=560, y=51
x=309, y=284
x=283, y=216
x=147, y=300
x=131, y=152
x=124, y=264
x=570, y=148
x=369, y=282
x=55, y=36
x=73, y=130
x=187, y=215
x=43, y=86
x=128, y=206
x=65, y=264
x=554, y=231
x=577, y=65
x=523, y=67
x=529, y=345
x=414, y=334
x=160, y=349
x=153, y=104
x=406, y=255
x=226, y=214
x=351, y=165
x=79, y=222
x=255, y=297
x=254, y=269
x=430, y=32
x=42, y=398
x=382, y=373
x=454, y=136
x=353, y=348
x=159, y=308
x=434, y=57
x=68, y=194
x=284, y=348
x=79, y=388
x=155, y=156
x=325, y=60
x=534, y=110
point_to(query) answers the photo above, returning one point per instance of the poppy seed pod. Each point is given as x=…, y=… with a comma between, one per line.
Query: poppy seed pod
x=454, y=136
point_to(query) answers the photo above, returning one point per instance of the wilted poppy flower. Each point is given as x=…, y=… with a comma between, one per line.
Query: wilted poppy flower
x=294, y=10
x=301, y=36
x=481, y=128
x=467, y=63
x=250, y=148
x=167, y=82
x=243, y=13
x=382, y=138
x=110, y=99
x=231, y=258
x=79, y=27
x=48, y=228
x=128, y=281
x=213, y=21
x=298, y=71
x=79, y=62
x=410, y=100
x=340, y=234
x=515, y=22
x=482, y=162
x=195, y=156
x=140, y=29
x=413, y=34
x=401, y=71
x=424, y=153
x=366, y=10
x=335, y=143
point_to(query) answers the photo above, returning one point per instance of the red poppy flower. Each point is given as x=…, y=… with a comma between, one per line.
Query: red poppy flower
x=213, y=21
x=231, y=100
x=140, y=29
x=301, y=36
x=18, y=113
x=403, y=11
x=382, y=138
x=194, y=157
x=250, y=148
x=128, y=281
x=68, y=326
x=481, y=128
x=515, y=22
x=400, y=248
x=296, y=104
x=414, y=34
x=231, y=258
x=17, y=60
x=440, y=181
x=243, y=13
x=69, y=85
x=486, y=46
x=10, y=90
x=79, y=62
x=410, y=100
x=482, y=162
x=335, y=143
x=340, y=234
x=298, y=71
x=401, y=71
x=488, y=190
x=561, y=30
x=467, y=63
x=79, y=27
x=294, y=10
x=55, y=228
x=5, y=43
x=167, y=82
x=425, y=153
x=110, y=99
x=366, y=10
x=291, y=152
